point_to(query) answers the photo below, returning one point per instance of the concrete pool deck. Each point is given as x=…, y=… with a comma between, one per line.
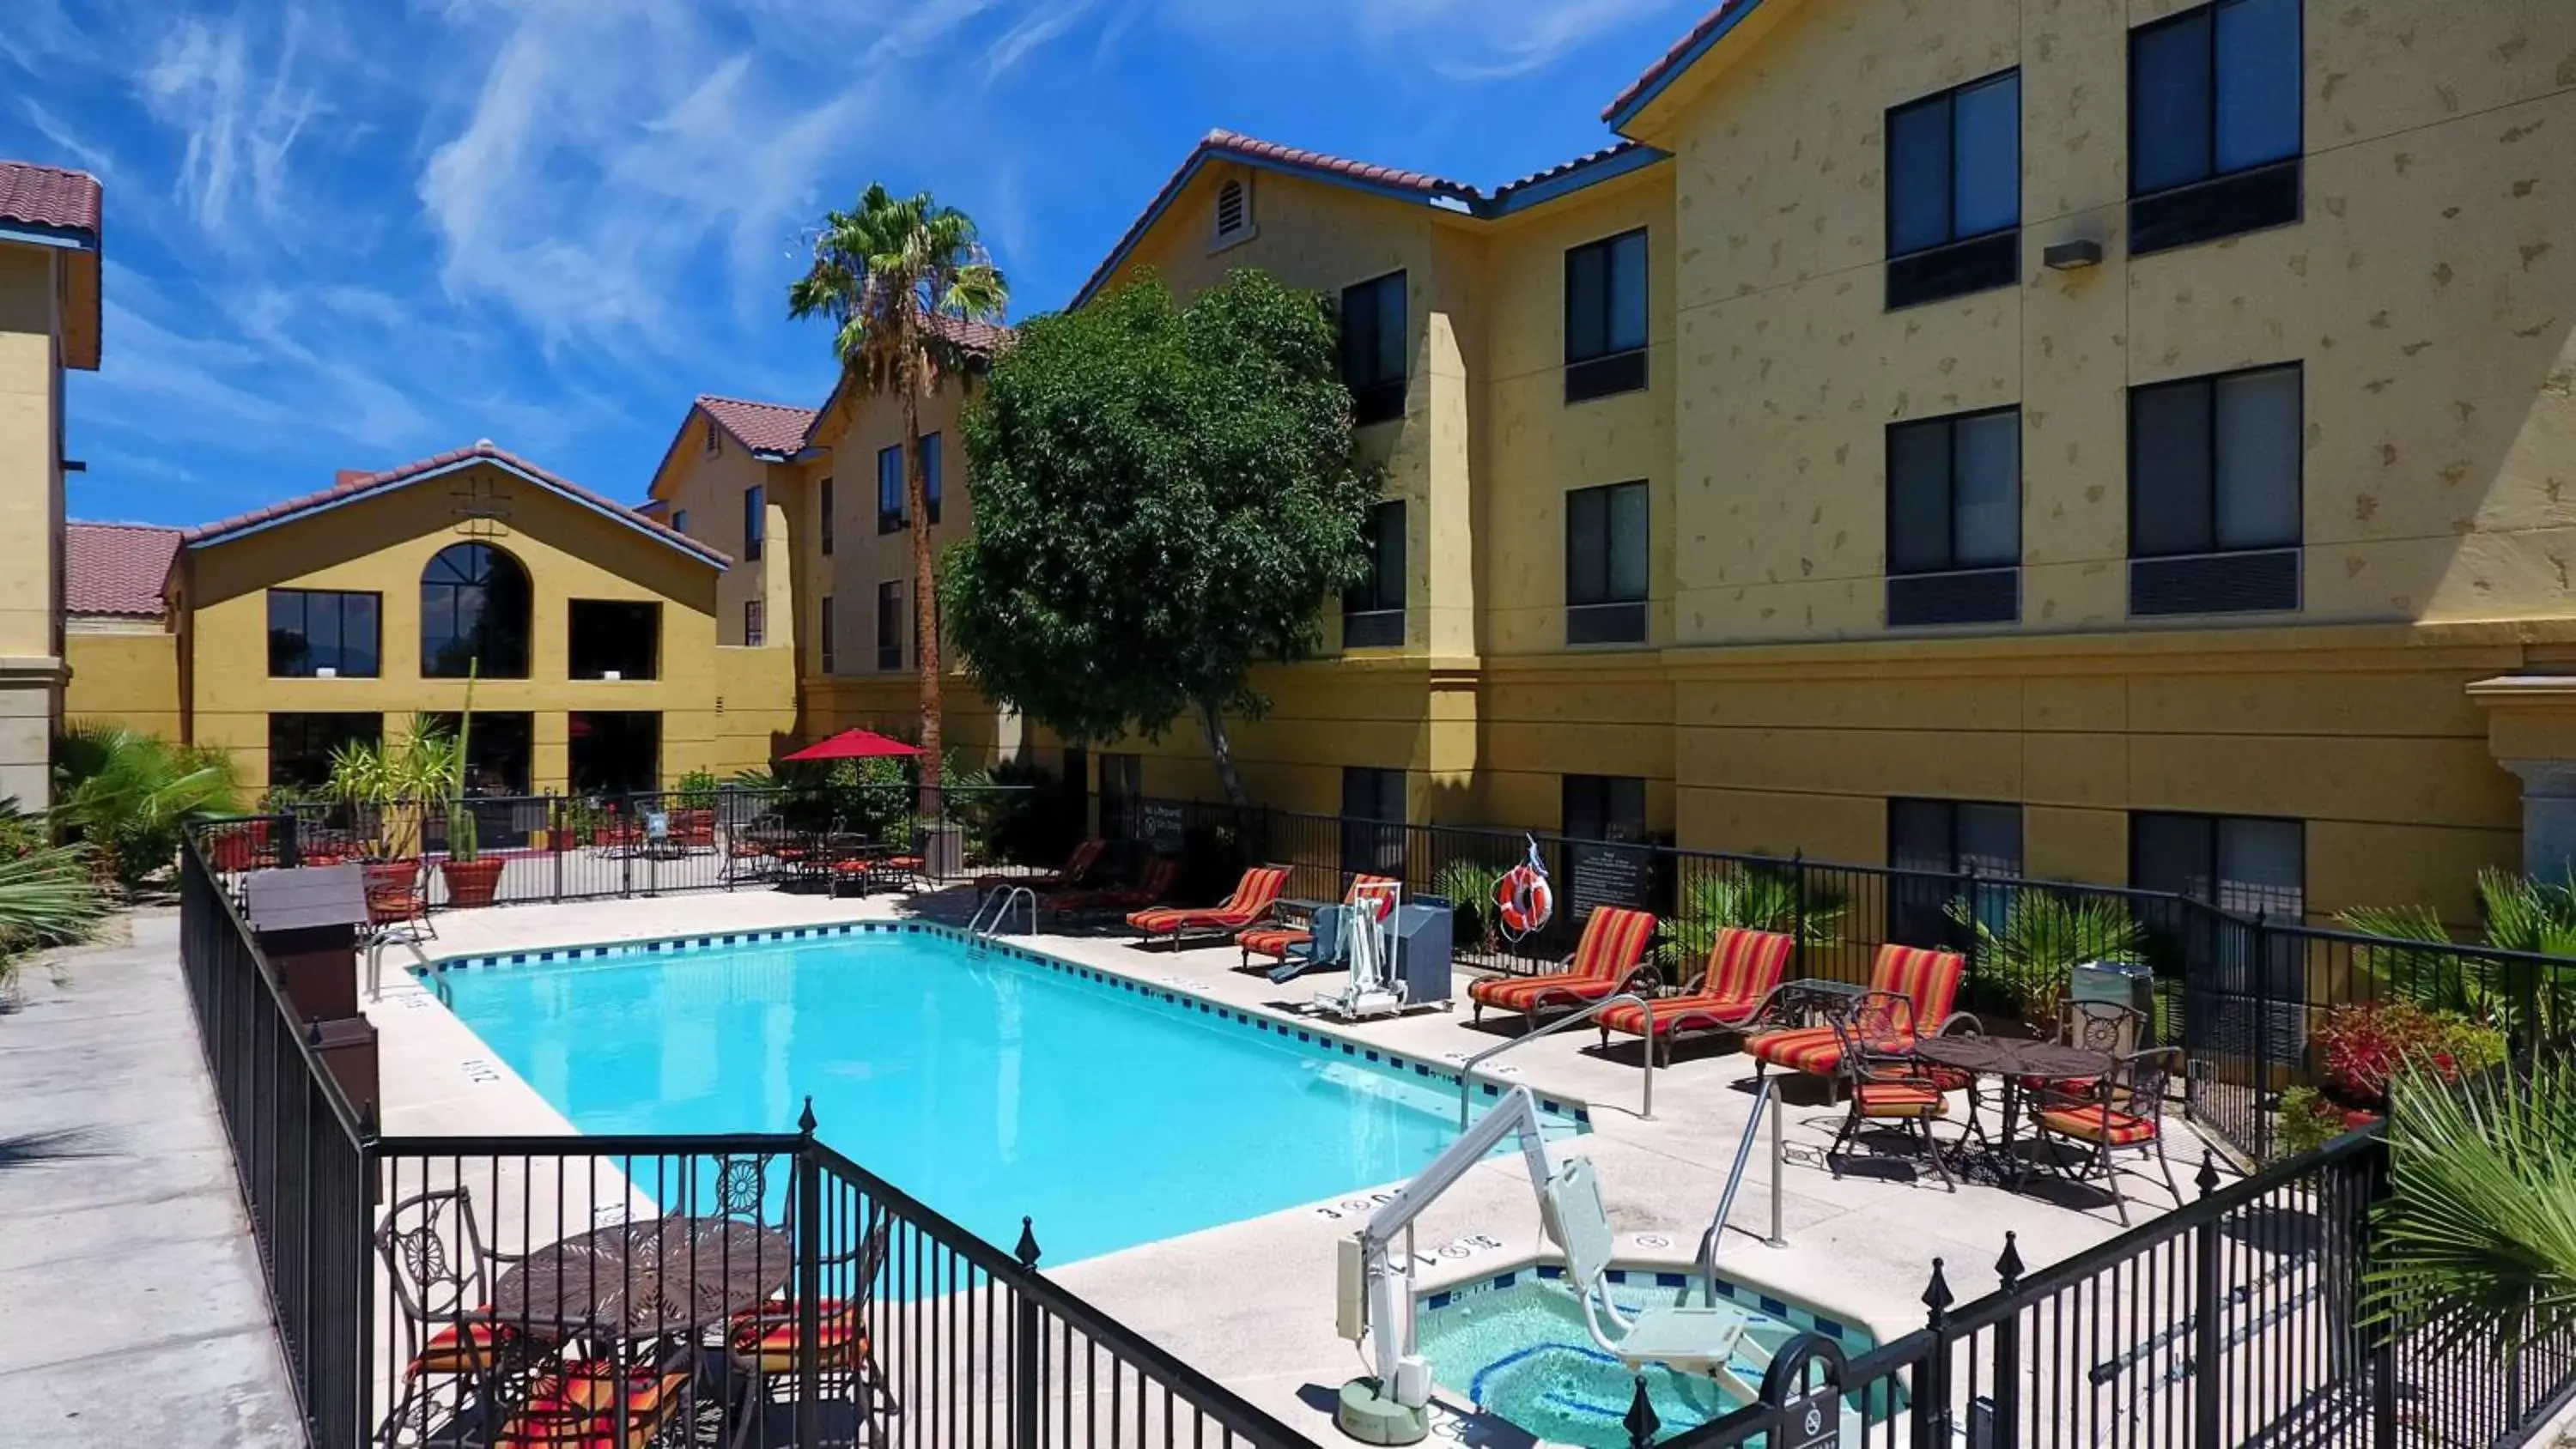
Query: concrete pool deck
x=1859, y=1247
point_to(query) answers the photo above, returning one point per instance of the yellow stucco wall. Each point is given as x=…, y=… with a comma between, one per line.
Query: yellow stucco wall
x=709, y=488
x=721, y=707
x=31, y=519
x=124, y=672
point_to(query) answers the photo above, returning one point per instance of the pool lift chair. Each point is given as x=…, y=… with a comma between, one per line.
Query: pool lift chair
x=1375, y=1298
x=1365, y=934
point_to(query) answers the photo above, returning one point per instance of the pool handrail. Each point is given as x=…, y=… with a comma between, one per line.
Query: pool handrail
x=1645, y=1108
x=1762, y=1100
x=999, y=901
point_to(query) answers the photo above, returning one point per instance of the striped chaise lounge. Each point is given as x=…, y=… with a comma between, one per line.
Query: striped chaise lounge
x=1253, y=897
x=1160, y=875
x=1614, y=941
x=1076, y=867
x=1735, y=988
x=1926, y=976
x=1273, y=938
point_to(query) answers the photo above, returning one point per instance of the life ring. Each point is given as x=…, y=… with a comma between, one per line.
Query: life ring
x=1524, y=900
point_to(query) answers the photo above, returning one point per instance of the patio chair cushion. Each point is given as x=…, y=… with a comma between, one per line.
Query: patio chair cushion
x=1273, y=940
x=2098, y=1123
x=1897, y=1099
x=577, y=1409
x=1681, y=1013
x=1614, y=939
x=766, y=1339
x=1252, y=899
x=1811, y=1049
x=461, y=1348
x=1742, y=968
x=1925, y=975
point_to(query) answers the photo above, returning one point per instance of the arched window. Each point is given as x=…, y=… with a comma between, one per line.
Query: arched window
x=474, y=605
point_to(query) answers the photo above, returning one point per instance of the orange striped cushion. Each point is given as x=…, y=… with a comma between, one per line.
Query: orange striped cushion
x=1924, y=975
x=578, y=1410
x=1745, y=963
x=768, y=1337
x=1273, y=940
x=1527, y=993
x=1613, y=940
x=1802, y=1049
x=2098, y=1123
x=1897, y=1099
x=461, y=1348
x=1681, y=1013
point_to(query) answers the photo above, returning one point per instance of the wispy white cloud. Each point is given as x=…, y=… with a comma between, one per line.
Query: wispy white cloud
x=1032, y=33
x=1458, y=40
x=94, y=159
x=241, y=104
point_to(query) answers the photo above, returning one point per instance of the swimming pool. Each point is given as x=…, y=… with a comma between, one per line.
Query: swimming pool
x=1516, y=1347
x=989, y=1084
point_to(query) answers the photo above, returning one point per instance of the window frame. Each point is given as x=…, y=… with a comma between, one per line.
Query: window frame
x=1374, y=841
x=2214, y=827
x=934, y=471
x=2219, y=201
x=890, y=508
x=755, y=522
x=430, y=667
x=1603, y=808
x=576, y=658
x=890, y=621
x=823, y=632
x=2261, y=571
x=1613, y=618
x=1610, y=370
x=341, y=597
x=1373, y=613
x=715, y=439
x=1960, y=264
x=339, y=738
x=755, y=623
x=1957, y=593
x=1376, y=396
x=823, y=515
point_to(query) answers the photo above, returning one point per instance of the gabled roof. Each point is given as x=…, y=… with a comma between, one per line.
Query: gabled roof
x=1711, y=28
x=1388, y=181
x=117, y=568
x=61, y=210
x=762, y=427
x=48, y=196
x=353, y=487
x=979, y=339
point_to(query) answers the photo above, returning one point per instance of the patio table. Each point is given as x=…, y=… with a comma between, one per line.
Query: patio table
x=2017, y=1061
x=1817, y=997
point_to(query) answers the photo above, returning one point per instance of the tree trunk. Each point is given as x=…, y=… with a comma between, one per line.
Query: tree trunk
x=925, y=598
x=1212, y=720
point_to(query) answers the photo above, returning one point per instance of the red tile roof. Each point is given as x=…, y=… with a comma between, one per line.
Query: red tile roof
x=1588, y=158
x=117, y=568
x=1671, y=64
x=984, y=337
x=350, y=487
x=760, y=426
x=32, y=195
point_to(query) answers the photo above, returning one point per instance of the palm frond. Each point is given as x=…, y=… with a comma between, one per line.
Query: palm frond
x=2046, y=934
x=47, y=898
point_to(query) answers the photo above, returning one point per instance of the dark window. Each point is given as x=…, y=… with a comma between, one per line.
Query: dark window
x=755, y=521
x=930, y=479
x=1604, y=807
x=825, y=633
x=1954, y=192
x=300, y=746
x=2247, y=864
x=1373, y=820
x=614, y=636
x=1373, y=348
x=2214, y=493
x=311, y=630
x=1954, y=519
x=1946, y=838
x=1605, y=317
x=498, y=753
x=1373, y=613
x=823, y=524
x=679, y=520
x=755, y=623
x=2214, y=122
x=890, y=625
x=890, y=489
x=2254, y=867
x=474, y=602
x=613, y=751
x=1605, y=565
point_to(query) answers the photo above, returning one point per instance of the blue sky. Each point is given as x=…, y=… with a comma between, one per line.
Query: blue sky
x=348, y=233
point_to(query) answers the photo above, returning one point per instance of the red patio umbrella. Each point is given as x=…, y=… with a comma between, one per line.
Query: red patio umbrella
x=854, y=745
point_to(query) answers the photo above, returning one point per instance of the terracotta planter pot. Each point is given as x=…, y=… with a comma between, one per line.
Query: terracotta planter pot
x=241, y=848
x=472, y=882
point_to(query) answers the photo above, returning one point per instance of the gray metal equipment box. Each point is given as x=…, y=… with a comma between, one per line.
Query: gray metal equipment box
x=2122, y=983
x=1422, y=944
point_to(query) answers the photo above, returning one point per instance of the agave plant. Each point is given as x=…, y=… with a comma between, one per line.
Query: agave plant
x=2047, y=934
x=2476, y=1243
x=126, y=794
x=2521, y=914
x=392, y=778
x=1749, y=897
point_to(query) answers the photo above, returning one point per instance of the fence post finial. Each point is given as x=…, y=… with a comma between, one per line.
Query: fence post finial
x=805, y=1122
x=1027, y=1251
x=2009, y=1267
x=1937, y=1296
x=1640, y=1421
x=2207, y=1178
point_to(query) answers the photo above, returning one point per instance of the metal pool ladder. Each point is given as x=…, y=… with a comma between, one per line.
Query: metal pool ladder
x=979, y=930
x=1645, y=1109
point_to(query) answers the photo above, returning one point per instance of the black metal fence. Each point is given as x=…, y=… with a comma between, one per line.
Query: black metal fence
x=2240, y=994
x=2240, y=1319
x=753, y=1290
x=545, y=848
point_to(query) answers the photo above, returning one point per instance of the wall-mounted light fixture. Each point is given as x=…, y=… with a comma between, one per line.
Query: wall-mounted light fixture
x=2072, y=256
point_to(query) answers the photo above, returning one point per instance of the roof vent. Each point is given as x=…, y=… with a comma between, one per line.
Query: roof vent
x=1233, y=209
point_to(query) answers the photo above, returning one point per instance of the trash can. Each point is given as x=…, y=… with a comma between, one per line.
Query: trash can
x=943, y=852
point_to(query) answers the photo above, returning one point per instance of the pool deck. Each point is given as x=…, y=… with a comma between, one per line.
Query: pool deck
x=1251, y=1303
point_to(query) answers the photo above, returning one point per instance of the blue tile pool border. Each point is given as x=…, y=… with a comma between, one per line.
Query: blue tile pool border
x=1323, y=1042
x=1797, y=1315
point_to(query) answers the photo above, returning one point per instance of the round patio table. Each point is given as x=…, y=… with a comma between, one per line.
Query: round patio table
x=2017, y=1061
x=653, y=1278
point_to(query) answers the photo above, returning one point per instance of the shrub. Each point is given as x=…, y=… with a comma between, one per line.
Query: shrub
x=2364, y=1047
x=126, y=794
x=1471, y=884
x=695, y=790
x=2045, y=936
x=2309, y=1119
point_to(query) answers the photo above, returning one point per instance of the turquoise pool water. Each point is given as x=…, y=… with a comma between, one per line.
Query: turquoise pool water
x=1521, y=1353
x=985, y=1085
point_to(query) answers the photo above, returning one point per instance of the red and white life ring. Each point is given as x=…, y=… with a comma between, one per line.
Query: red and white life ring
x=1524, y=900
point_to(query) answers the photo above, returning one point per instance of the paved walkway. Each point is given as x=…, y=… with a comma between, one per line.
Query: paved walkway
x=128, y=1283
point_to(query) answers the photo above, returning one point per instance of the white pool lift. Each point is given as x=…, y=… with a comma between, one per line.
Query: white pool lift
x=1375, y=1300
x=1367, y=946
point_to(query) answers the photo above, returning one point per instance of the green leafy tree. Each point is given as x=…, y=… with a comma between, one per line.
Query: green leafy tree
x=896, y=278
x=1164, y=497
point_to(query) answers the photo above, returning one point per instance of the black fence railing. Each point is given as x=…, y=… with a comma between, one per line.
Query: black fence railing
x=748, y=1290
x=2240, y=994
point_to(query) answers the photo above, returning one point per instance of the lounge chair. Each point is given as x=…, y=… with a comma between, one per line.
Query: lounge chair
x=1075, y=871
x=1161, y=874
x=1926, y=976
x=1274, y=938
x=1604, y=962
x=1253, y=897
x=1735, y=988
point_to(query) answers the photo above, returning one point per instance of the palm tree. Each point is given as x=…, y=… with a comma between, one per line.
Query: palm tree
x=126, y=793
x=898, y=278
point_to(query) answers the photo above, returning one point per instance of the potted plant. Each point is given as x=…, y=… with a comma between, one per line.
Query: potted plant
x=472, y=879
x=385, y=784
